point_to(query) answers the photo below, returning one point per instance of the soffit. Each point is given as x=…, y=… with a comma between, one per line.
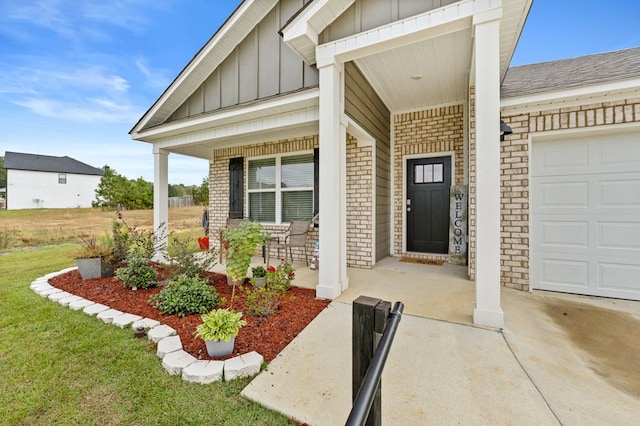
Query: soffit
x=441, y=63
x=273, y=119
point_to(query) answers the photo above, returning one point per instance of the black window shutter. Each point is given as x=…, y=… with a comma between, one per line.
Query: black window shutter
x=316, y=181
x=236, y=177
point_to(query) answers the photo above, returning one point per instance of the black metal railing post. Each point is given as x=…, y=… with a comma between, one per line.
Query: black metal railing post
x=371, y=316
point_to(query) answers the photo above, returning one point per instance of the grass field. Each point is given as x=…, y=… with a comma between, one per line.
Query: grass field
x=59, y=366
x=34, y=227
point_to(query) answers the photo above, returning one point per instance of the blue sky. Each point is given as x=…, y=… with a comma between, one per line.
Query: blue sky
x=76, y=75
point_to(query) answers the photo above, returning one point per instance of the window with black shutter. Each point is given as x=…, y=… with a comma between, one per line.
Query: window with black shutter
x=236, y=185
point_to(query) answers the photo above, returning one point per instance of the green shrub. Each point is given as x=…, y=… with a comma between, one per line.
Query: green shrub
x=138, y=273
x=187, y=260
x=185, y=296
x=264, y=301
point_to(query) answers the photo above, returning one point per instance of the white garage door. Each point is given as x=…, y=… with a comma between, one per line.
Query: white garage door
x=586, y=215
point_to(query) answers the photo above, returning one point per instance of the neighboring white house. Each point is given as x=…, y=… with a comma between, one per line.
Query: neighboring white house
x=42, y=181
x=390, y=108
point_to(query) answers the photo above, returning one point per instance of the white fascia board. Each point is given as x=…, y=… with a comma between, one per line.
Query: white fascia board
x=222, y=134
x=233, y=31
x=301, y=34
x=235, y=115
x=606, y=92
x=437, y=22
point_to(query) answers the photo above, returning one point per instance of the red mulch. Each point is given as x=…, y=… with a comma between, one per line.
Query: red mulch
x=267, y=336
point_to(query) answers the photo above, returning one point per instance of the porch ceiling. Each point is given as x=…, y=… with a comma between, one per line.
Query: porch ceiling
x=441, y=65
x=431, y=72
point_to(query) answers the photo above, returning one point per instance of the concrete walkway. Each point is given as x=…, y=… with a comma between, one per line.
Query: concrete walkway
x=561, y=359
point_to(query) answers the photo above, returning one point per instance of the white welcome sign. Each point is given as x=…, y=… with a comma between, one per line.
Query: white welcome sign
x=458, y=225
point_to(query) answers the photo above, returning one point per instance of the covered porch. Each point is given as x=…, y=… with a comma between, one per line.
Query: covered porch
x=429, y=291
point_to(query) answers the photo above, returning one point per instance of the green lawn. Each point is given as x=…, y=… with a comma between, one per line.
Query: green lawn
x=59, y=366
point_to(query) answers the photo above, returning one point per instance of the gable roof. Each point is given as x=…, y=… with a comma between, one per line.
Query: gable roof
x=570, y=73
x=223, y=42
x=46, y=163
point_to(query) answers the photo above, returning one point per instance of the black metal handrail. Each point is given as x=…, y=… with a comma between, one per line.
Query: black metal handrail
x=366, y=393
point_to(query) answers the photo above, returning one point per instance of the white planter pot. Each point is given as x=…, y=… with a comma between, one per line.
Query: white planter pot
x=260, y=281
x=93, y=268
x=220, y=348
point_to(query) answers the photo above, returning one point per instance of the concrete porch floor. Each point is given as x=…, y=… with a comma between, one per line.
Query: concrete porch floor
x=438, y=292
x=561, y=359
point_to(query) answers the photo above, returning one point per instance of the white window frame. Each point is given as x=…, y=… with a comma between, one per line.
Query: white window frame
x=278, y=184
x=62, y=177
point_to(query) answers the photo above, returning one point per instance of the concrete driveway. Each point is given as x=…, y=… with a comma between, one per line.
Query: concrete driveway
x=561, y=359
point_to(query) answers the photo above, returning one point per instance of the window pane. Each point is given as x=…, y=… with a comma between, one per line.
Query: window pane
x=428, y=173
x=262, y=173
x=262, y=206
x=418, y=174
x=297, y=171
x=297, y=205
x=437, y=173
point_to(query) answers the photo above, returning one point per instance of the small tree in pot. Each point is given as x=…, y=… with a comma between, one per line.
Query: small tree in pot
x=243, y=241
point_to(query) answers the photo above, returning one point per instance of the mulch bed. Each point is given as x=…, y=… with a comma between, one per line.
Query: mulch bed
x=267, y=336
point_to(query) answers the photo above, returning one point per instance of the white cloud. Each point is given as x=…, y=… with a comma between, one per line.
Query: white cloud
x=155, y=78
x=86, y=110
x=73, y=20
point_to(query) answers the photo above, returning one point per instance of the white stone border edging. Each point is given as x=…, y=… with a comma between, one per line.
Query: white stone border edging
x=174, y=360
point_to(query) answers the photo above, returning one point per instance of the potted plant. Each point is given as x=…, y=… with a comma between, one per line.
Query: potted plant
x=95, y=259
x=281, y=276
x=219, y=329
x=259, y=276
x=243, y=241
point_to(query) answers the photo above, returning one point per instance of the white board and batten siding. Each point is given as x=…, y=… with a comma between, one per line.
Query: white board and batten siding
x=586, y=215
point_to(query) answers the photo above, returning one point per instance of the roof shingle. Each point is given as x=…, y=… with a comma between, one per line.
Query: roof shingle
x=46, y=163
x=572, y=72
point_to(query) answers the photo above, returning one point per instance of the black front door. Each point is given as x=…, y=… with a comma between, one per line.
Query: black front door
x=427, y=204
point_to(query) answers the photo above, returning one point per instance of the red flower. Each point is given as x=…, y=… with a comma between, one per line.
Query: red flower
x=271, y=269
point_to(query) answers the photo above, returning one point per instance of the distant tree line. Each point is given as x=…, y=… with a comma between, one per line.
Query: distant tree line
x=3, y=174
x=116, y=191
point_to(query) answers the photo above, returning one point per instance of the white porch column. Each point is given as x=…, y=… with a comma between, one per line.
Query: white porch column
x=160, y=199
x=332, y=276
x=487, y=309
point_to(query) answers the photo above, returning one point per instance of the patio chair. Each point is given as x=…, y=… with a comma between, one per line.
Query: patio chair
x=295, y=236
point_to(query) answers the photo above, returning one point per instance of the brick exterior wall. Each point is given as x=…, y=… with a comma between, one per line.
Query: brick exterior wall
x=359, y=205
x=424, y=132
x=359, y=193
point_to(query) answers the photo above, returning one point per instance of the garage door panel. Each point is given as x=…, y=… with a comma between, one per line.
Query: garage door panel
x=619, y=277
x=566, y=272
x=561, y=158
x=563, y=195
x=620, y=152
x=555, y=233
x=623, y=236
x=585, y=215
x=620, y=192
